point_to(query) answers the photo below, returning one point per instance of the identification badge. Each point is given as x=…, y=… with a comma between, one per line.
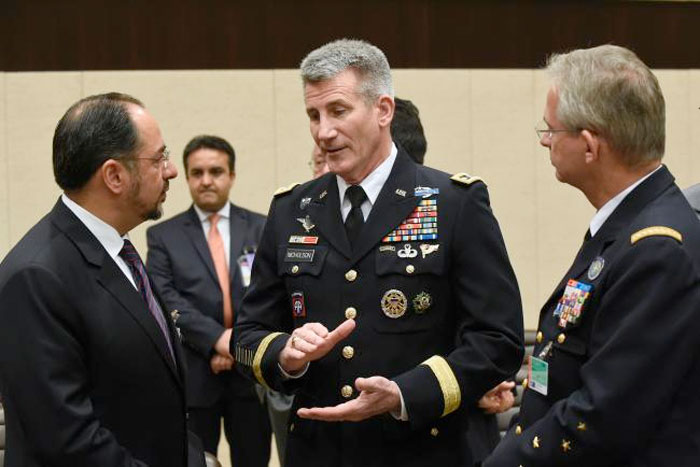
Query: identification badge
x=299, y=255
x=538, y=375
x=571, y=303
x=245, y=265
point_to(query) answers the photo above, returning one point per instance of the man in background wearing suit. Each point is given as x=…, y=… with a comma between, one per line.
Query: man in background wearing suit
x=91, y=370
x=692, y=194
x=200, y=261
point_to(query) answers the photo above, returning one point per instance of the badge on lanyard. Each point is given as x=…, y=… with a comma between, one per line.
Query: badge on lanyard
x=245, y=265
x=570, y=305
x=538, y=375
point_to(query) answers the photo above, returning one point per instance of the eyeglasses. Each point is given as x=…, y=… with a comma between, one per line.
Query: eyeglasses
x=543, y=130
x=164, y=158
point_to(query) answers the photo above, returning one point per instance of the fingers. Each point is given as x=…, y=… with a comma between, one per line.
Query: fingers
x=341, y=332
x=336, y=413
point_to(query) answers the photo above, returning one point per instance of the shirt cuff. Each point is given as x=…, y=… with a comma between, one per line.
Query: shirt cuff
x=403, y=415
x=298, y=375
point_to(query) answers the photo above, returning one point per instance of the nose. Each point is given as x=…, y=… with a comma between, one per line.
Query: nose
x=326, y=129
x=170, y=171
x=545, y=140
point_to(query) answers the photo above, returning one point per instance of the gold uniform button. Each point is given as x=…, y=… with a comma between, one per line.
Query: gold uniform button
x=295, y=269
x=350, y=312
x=348, y=352
x=536, y=442
x=525, y=383
x=351, y=275
x=581, y=426
x=434, y=432
x=346, y=391
x=565, y=445
x=518, y=430
x=539, y=337
x=561, y=338
x=410, y=269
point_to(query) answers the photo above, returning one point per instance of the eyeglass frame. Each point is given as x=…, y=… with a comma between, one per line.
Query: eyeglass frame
x=550, y=131
x=164, y=158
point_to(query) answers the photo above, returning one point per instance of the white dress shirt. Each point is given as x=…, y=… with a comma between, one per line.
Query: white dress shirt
x=107, y=235
x=608, y=208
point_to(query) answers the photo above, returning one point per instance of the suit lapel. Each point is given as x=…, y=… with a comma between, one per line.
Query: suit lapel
x=394, y=203
x=193, y=229
x=324, y=211
x=238, y=226
x=112, y=279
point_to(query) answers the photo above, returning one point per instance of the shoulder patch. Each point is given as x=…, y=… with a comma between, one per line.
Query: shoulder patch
x=656, y=231
x=466, y=179
x=285, y=189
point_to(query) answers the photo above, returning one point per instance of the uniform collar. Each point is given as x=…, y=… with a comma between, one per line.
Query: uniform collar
x=372, y=183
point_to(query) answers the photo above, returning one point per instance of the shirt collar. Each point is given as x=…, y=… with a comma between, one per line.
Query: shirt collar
x=204, y=215
x=372, y=183
x=107, y=235
x=608, y=208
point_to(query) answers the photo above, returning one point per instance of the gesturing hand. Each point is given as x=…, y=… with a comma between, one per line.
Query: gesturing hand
x=311, y=342
x=498, y=399
x=377, y=395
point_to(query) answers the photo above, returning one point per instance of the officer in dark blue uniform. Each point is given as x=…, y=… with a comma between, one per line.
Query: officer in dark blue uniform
x=614, y=376
x=381, y=293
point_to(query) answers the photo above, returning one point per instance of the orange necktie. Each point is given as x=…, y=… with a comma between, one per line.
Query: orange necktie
x=218, y=254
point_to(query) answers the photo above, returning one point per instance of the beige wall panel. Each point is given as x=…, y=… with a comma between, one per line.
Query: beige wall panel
x=34, y=104
x=236, y=105
x=4, y=182
x=562, y=216
x=694, y=125
x=675, y=85
x=502, y=153
x=293, y=141
x=443, y=100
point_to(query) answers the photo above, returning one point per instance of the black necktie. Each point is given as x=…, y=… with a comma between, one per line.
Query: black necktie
x=355, y=220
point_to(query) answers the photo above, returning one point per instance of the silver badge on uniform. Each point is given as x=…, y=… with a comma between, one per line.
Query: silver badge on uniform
x=306, y=223
x=394, y=303
x=304, y=202
x=422, y=302
x=407, y=252
x=596, y=267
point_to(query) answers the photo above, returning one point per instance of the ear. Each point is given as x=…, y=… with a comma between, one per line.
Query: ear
x=115, y=176
x=233, y=176
x=385, y=106
x=593, y=146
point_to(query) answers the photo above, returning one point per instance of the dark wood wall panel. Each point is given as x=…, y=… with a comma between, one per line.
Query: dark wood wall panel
x=215, y=34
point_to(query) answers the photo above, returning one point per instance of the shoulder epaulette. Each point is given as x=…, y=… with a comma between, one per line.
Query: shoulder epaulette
x=466, y=179
x=655, y=231
x=285, y=189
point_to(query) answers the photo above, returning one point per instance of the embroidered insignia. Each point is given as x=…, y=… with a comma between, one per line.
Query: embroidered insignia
x=394, y=303
x=656, y=230
x=299, y=255
x=285, y=189
x=570, y=305
x=298, y=305
x=595, y=268
x=466, y=179
x=306, y=223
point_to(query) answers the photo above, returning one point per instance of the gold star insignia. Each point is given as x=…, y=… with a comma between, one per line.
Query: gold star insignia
x=565, y=445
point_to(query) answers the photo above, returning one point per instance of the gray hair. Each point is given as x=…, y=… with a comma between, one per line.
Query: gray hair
x=335, y=57
x=609, y=90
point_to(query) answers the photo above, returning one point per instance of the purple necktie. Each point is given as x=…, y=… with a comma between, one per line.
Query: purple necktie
x=138, y=272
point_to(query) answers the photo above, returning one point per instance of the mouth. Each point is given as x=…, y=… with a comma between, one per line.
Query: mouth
x=333, y=151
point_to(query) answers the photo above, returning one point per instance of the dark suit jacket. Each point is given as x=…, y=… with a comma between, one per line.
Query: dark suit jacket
x=459, y=335
x=85, y=372
x=180, y=263
x=624, y=376
x=692, y=194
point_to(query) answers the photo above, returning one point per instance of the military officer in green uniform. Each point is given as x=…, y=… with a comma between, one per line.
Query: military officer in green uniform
x=382, y=294
x=616, y=369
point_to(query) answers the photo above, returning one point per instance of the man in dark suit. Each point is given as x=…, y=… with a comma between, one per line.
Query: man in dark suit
x=403, y=264
x=692, y=194
x=91, y=370
x=200, y=262
x=616, y=366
